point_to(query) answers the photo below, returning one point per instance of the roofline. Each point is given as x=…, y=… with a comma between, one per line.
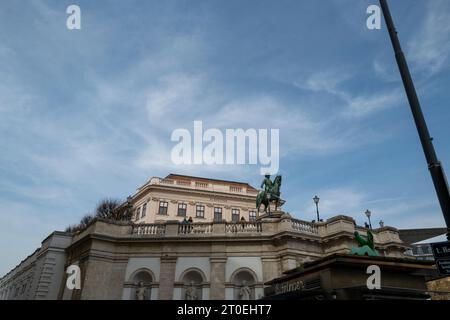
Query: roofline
x=209, y=179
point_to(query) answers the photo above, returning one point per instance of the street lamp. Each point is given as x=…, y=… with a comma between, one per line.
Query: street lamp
x=368, y=214
x=316, y=201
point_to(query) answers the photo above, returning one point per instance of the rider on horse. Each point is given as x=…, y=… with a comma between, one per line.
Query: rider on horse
x=267, y=183
x=270, y=193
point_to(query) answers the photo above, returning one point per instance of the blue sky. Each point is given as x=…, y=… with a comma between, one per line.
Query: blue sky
x=88, y=114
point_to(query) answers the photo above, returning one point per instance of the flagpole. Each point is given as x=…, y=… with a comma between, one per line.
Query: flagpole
x=434, y=165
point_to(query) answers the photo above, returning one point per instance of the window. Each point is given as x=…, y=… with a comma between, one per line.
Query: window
x=138, y=213
x=200, y=211
x=182, y=209
x=252, y=215
x=217, y=214
x=234, y=215
x=144, y=210
x=163, y=207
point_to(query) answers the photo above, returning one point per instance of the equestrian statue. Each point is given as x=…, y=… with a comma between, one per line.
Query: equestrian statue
x=270, y=193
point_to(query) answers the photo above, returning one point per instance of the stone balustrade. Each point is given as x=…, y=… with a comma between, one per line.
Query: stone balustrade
x=149, y=229
x=304, y=227
x=334, y=227
x=244, y=227
x=195, y=228
x=196, y=185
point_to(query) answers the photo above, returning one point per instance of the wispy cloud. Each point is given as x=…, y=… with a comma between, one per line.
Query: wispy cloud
x=429, y=49
x=354, y=105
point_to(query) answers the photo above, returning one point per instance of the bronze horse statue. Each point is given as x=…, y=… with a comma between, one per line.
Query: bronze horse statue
x=274, y=195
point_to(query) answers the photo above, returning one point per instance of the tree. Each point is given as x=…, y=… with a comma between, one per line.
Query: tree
x=108, y=209
x=85, y=221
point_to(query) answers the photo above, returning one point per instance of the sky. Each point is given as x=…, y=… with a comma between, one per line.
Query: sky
x=88, y=114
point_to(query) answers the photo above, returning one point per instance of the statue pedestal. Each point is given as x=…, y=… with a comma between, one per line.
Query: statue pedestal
x=273, y=216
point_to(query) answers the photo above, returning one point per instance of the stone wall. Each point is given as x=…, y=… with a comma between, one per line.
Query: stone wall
x=440, y=288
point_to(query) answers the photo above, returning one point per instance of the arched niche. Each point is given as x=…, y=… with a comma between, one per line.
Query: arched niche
x=192, y=281
x=244, y=281
x=141, y=282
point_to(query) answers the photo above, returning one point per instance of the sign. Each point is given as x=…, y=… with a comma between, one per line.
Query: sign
x=441, y=253
x=289, y=286
x=443, y=266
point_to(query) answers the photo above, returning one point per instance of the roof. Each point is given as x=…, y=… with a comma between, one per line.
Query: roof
x=441, y=238
x=180, y=176
x=415, y=235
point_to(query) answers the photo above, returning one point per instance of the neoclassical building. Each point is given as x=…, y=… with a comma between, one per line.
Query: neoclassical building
x=228, y=251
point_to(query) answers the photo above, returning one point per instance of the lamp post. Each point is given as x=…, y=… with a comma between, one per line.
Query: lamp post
x=368, y=214
x=434, y=165
x=316, y=201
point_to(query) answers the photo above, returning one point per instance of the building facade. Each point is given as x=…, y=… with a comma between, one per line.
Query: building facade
x=40, y=275
x=176, y=197
x=228, y=251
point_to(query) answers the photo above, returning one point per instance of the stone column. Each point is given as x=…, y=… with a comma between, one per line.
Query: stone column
x=167, y=277
x=270, y=268
x=217, y=290
x=288, y=262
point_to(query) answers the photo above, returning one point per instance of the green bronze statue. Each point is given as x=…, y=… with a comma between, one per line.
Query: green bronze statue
x=270, y=193
x=366, y=245
x=267, y=183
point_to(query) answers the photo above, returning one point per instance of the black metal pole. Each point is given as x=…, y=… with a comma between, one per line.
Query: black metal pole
x=370, y=223
x=317, y=211
x=435, y=167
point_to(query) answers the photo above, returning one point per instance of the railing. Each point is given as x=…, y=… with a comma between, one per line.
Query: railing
x=304, y=226
x=166, y=181
x=207, y=228
x=183, y=183
x=195, y=228
x=149, y=229
x=243, y=227
x=235, y=189
x=201, y=185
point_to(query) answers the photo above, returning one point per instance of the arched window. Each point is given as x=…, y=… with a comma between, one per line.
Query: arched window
x=244, y=282
x=192, y=285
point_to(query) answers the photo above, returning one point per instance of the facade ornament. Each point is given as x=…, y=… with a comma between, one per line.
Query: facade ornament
x=141, y=292
x=244, y=292
x=191, y=292
x=366, y=245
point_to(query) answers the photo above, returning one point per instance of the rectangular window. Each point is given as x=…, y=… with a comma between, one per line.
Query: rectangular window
x=252, y=215
x=144, y=210
x=138, y=213
x=217, y=214
x=163, y=205
x=200, y=211
x=234, y=215
x=182, y=207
